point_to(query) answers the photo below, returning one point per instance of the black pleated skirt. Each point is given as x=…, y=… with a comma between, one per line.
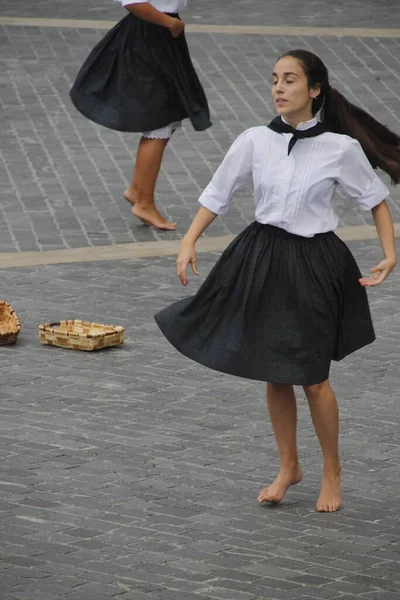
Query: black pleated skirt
x=140, y=78
x=276, y=307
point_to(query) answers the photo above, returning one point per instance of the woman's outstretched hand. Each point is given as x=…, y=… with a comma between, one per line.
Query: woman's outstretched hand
x=187, y=252
x=379, y=273
x=186, y=256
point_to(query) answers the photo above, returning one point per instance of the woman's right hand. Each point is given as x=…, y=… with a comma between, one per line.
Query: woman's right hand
x=177, y=27
x=186, y=256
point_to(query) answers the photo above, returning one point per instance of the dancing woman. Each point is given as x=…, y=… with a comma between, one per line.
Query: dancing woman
x=140, y=78
x=287, y=297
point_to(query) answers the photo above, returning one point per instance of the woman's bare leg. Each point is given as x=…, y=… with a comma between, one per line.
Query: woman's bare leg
x=325, y=416
x=282, y=408
x=140, y=193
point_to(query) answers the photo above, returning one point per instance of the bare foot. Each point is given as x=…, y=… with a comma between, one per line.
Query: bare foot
x=151, y=216
x=129, y=196
x=329, y=499
x=277, y=490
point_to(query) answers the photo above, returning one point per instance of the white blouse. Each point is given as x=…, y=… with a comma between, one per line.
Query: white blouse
x=295, y=192
x=166, y=6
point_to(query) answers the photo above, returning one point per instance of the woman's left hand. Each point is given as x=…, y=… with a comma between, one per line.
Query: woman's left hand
x=379, y=273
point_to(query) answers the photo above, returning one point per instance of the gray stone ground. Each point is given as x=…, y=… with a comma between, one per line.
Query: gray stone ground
x=341, y=13
x=62, y=177
x=133, y=473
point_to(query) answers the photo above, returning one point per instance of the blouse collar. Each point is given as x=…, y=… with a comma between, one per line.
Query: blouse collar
x=306, y=125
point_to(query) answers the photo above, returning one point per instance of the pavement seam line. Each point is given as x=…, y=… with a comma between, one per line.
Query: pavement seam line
x=278, y=30
x=141, y=250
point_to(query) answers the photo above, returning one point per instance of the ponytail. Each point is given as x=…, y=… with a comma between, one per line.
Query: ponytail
x=381, y=146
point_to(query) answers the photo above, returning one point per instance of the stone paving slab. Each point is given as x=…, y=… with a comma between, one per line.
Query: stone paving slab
x=62, y=176
x=359, y=13
x=278, y=30
x=136, y=251
x=133, y=473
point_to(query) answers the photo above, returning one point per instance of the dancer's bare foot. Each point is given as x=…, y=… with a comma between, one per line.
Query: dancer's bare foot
x=329, y=499
x=129, y=196
x=277, y=490
x=151, y=216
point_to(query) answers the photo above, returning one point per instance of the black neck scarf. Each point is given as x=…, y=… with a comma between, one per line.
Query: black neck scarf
x=279, y=126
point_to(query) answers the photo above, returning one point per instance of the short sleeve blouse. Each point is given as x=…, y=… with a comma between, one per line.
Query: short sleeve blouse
x=295, y=192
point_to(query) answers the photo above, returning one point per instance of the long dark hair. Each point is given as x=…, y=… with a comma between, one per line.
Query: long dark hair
x=381, y=146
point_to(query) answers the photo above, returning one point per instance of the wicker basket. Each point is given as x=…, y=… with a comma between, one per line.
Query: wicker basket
x=81, y=335
x=9, y=324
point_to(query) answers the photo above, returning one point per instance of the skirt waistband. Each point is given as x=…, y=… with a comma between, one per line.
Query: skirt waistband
x=279, y=231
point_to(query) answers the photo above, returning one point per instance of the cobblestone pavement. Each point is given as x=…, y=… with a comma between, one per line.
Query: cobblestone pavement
x=62, y=177
x=341, y=13
x=133, y=473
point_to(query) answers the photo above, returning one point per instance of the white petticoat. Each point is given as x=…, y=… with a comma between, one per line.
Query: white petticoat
x=164, y=132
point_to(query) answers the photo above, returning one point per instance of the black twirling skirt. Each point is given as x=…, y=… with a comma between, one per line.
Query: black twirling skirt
x=276, y=307
x=140, y=78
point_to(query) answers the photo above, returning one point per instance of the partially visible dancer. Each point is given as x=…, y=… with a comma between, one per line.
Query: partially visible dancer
x=140, y=78
x=287, y=297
